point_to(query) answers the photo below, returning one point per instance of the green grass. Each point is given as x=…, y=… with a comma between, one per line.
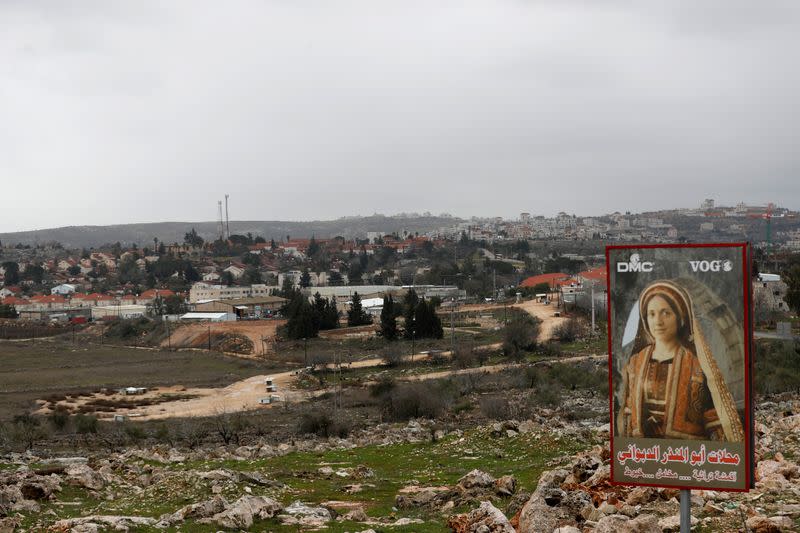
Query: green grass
x=30, y=371
x=395, y=466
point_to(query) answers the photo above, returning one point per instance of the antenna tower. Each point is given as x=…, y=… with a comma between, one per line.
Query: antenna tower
x=227, y=220
x=220, y=228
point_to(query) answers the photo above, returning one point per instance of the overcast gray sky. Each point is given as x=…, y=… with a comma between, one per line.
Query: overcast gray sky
x=121, y=111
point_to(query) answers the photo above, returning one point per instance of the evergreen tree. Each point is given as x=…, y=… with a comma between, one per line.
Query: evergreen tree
x=287, y=288
x=190, y=274
x=388, y=319
x=313, y=247
x=410, y=302
x=305, y=279
x=11, y=269
x=427, y=323
x=325, y=312
x=226, y=278
x=252, y=275
x=356, y=316
x=193, y=239
x=301, y=322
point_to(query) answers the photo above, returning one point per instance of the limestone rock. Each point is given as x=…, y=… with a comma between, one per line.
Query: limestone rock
x=476, y=479
x=505, y=485
x=202, y=509
x=111, y=523
x=81, y=475
x=486, y=519
x=623, y=524
x=673, y=523
x=241, y=513
x=537, y=517
x=300, y=514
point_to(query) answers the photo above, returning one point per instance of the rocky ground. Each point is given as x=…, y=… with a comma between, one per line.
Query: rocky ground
x=545, y=474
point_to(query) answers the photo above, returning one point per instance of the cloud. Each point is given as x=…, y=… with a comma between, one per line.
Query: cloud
x=147, y=111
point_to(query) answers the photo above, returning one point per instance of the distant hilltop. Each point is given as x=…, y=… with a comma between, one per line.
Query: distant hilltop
x=169, y=232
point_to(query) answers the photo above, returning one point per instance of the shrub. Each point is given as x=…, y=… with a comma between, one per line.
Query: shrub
x=59, y=418
x=546, y=395
x=323, y=424
x=85, y=424
x=229, y=426
x=415, y=400
x=383, y=386
x=568, y=330
x=134, y=432
x=24, y=431
x=392, y=356
x=495, y=407
x=520, y=335
x=464, y=357
x=462, y=406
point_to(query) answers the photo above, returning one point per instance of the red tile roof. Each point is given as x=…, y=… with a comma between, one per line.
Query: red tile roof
x=595, y=274
x=553, y=279
x=152, y=293
x=13, y=300
x=48, y=298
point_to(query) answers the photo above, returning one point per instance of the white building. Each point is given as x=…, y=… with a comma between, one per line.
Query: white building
x=210, y=317
x=118, y=311
x=64, y=289
x=207, y=291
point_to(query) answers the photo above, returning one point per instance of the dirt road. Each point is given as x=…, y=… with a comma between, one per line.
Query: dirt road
x=244, y=395
x=195, y=335
x=539, y=310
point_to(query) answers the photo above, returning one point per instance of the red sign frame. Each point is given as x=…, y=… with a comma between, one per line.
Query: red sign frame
x=747, y=324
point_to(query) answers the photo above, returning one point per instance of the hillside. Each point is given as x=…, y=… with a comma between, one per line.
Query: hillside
x=348, y=227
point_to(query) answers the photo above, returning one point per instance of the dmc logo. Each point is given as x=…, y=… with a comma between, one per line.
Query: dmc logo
x=711, y=266
x=634, y=264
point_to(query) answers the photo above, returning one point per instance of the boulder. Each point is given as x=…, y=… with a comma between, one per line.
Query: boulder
x=505, y=485
x=485, y=519
x=300, y=514
x=422, y=497
x=241, y=513
x=789, y=423
x=104, y=523
x=538, y=517
x=641, y=495
x=202, y=509
x=623, y=524
x=81, y=475
x=673, y=523
x=475, y=479
x=356, y=515
x=219, y=475
x=257, y=478
x=775, y=524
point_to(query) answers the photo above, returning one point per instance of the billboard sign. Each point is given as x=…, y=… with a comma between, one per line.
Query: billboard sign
x=679, y=365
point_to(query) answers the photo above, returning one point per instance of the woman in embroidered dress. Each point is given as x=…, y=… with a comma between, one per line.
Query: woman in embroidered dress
x=672, y=388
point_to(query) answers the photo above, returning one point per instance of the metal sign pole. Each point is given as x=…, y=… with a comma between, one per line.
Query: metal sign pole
x=686, y=514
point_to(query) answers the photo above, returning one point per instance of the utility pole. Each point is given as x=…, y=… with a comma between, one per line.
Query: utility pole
x=305, y=352
x=453, y=328
x=592, y=308
x=209, y=337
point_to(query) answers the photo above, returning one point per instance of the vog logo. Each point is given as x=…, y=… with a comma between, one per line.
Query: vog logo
x=714, y=265
x=634, y=264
